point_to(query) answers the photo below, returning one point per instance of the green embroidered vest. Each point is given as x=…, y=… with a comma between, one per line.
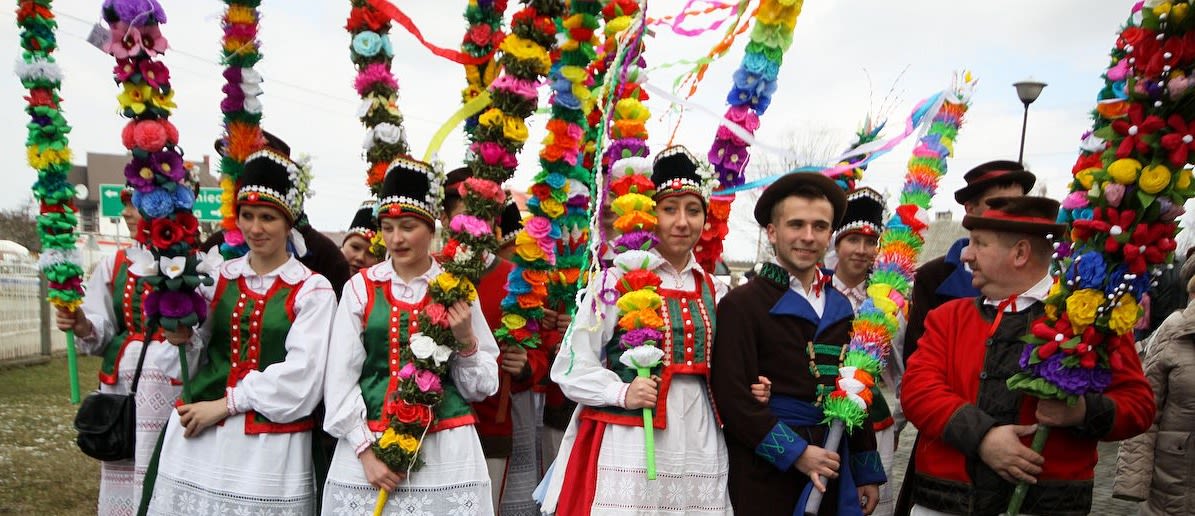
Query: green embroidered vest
x=388, y=325
x=689, y=321
x=130, y=320
x=248, y=334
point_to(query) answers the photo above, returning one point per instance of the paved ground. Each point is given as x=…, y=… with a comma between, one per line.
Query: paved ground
x=1103, y=504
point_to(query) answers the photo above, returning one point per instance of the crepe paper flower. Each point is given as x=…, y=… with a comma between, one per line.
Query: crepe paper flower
x=152, y=40
x=428, y=381
x=142, y=261
x=1154, y=179
x=374, y=77
x=134, y=97
x=156, y=203
x=367, y=43
x=138, y=12
x=474, y=226
x=125, y=42
x=164, y=234
x=173, y=267
x=154, y=73
x=1134, y=129
x=164, y=100
x=1180, y=142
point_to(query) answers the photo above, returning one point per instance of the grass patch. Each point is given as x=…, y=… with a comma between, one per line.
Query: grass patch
x=44, y=472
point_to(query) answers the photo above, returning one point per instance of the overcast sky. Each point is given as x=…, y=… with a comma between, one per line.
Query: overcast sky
x=845, y=58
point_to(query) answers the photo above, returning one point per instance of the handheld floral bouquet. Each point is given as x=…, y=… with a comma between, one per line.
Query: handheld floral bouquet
x=754, y=83
x=1131, y=180
x=156, y=172
x=241, y=109
x=638, y=303
x=891, y=279
x=48, y=152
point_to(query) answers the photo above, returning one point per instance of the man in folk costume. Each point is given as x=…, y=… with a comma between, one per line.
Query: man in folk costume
x=357, y=247
x=315, y=250
x=947, y=277
x=790, y=325
x=506, y=421
x=856, y=245
x=971, y=448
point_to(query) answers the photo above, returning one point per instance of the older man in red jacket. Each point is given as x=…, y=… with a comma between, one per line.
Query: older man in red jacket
x=971, y=449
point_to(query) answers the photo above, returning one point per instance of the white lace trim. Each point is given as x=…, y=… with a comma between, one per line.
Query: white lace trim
x=627, y=489
x=466, y=499
x=177, y=497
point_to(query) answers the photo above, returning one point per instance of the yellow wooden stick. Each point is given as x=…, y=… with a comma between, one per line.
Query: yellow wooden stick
x=382, y=496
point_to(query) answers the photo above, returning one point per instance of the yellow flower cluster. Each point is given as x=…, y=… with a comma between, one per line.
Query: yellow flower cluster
x=528, y=52
x=406, y=443
x=513, y=127
x=1081, y=306
x=1124, y=315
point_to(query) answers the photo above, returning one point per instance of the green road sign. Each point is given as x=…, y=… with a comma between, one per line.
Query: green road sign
x=110, y=205
x=207, y=204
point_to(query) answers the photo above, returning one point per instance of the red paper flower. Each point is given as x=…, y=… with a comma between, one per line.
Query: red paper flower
x=1086, y=161
x=1134, y=130
x=1180, y=142
x=1108, y=221
x=361, y=18
x=637, y=280
x=189, y=225
x=165, y=232
x=409, y=413
x=1149, y=245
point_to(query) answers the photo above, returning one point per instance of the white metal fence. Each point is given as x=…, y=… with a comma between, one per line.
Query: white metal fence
x=21, y=314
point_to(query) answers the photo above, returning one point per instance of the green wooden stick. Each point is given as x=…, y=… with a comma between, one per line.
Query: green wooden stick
x=186, y=373
x=649, y=432
x=1018, y=495
x=72, y=365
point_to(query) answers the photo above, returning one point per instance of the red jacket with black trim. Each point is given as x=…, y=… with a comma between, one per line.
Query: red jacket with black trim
x=955, y=391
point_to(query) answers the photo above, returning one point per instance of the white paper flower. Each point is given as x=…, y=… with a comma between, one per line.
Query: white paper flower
x=366, y=105
x=628, y=166
x=210, y=261
x=1092, y=144
x=252, y=105
x=251, y=90
x=38, y=68
x=173, y=267
x=441, y=354
x=576, y=188
x=641, y=356
x=143, y=262
x=852, y=387
x=422, y=346
x=464, y=253
x=635, y=259
x=387, y=132
x=251, y=76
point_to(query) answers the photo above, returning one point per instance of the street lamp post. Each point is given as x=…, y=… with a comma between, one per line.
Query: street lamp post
x=1027, y=90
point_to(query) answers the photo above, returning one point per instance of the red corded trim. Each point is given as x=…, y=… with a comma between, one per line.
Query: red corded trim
x=1003, y=215
x=290, y=300
x=252, y=427
x=883, y=425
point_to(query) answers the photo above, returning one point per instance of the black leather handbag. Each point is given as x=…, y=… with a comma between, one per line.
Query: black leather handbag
x=107, y=423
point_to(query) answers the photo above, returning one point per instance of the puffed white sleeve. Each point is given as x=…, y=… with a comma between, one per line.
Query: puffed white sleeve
x=476, y=375
x=291, y=389
x=97, y=307
x=346, y=414
x=578, y=368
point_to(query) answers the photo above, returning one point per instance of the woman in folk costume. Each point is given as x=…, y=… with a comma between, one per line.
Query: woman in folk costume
x=357, y=247
x=377, y=317
x=601, y=465
x=243, y=446
x=110, y=324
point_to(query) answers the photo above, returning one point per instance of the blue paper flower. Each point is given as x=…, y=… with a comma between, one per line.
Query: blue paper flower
x=154, y=204
x=184, y=198
x=367, y=43
x=555, y=180
x=1087, y=271
x=760, y=65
